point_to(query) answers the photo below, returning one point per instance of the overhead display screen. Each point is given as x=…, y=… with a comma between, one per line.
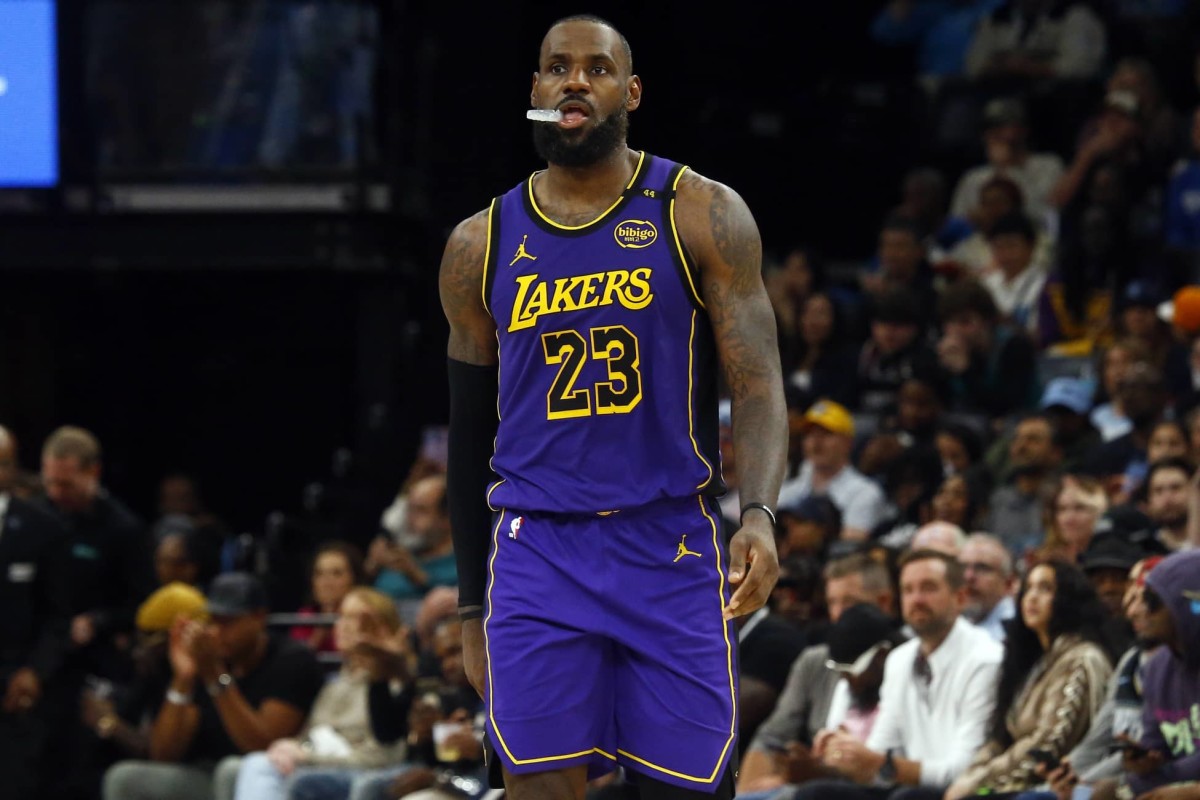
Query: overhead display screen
x=28, y=94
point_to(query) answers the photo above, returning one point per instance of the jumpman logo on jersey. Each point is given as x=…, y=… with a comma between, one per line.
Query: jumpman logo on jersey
x=522, y=252
x=682, y=550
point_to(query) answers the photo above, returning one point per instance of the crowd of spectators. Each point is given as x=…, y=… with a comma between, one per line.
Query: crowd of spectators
x=989, y=529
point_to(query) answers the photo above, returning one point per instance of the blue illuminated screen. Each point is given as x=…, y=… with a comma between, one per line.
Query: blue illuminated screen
x=28, y=97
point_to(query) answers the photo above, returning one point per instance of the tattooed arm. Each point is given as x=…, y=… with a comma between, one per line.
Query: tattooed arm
x=721, y=236
x=472, y=370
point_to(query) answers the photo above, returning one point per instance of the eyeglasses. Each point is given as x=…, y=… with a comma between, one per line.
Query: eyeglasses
x=860, y=665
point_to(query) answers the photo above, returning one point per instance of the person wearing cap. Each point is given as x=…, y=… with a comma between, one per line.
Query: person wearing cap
x=1006, y=146
x=1107, y=563
x=937, y=695
x=859, y=644
x=119, y=715
x=1138, y=316
x=804, y=705
x=233, y=688
x=828, y=443
x=1170, y=736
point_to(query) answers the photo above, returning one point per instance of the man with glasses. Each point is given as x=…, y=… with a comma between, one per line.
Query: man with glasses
x=937, y=697
x=988, y=581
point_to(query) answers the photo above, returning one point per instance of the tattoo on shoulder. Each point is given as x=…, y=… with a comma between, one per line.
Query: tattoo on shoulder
x=460, y=284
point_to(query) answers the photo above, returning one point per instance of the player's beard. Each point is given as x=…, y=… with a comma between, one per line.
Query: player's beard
x=573, y=148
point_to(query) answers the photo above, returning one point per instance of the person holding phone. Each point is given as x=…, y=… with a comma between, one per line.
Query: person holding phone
x=1052, y=682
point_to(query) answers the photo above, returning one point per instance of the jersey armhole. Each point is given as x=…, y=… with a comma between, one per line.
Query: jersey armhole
x=489, y=256
x=689, y=273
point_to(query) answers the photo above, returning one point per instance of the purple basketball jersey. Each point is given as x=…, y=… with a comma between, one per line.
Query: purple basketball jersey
x=608, y=390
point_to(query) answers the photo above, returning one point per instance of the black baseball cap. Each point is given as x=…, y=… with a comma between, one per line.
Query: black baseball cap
x=857, y=632
x=233, y=594
x=1110, y=551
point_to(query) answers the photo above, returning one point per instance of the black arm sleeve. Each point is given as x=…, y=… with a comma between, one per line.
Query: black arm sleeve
x=473, y=423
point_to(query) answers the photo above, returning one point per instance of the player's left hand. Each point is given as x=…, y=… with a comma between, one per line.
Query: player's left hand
x=753, y=566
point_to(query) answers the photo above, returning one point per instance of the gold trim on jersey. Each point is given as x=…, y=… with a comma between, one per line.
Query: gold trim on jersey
x=537, y=210
x=683, y=259
x=487, y=256
x=728, y=666
x=691, y=404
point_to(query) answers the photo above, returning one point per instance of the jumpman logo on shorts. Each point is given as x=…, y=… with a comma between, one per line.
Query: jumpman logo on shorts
x=682, y=550
x=522, y=252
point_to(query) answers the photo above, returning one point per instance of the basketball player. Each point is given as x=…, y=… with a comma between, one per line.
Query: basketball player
x=595, y=299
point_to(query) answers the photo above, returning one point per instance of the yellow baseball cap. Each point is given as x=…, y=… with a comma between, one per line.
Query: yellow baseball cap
x=831, y=416
x=160, y=609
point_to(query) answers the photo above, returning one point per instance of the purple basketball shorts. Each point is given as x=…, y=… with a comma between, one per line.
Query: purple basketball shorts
x=606, y=644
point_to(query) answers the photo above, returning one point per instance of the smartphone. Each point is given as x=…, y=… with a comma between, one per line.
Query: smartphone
x=1044, y=757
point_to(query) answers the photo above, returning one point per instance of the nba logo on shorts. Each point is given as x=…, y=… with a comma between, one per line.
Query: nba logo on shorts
x=514, y=527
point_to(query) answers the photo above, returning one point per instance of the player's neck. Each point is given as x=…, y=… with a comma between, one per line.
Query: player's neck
x=600, y=183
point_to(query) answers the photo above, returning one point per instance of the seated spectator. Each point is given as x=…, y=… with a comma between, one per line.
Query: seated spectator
x=973, y=256
x=960, y=447
x=992, y=365
x=422, y=556
x=816, y=360
x=1098, y=756
x=1137, y=317
x=944, y=537
x=909, y=482
x=828, y=438
x=1071, y=513
x=808, y=528
x=895, y=351
x=1120, y=463
x=1065, y=402
x=1006, y=144
x=186, y=554
x=796, y=597
x=1052, y=682
x=1108, y=415
x=337, y=567
x=924, y=198
x=803, y=707
x=1016, y=508
x=959, y=500
x=1162, y=125
x=443, y=728
x=989, y=579
x=767, y=646
x=859, y=644
x=938, y=690
x=789, y=281
x=1016, y=282
x=337, y=732
x=1169, y=487
x=120, y=716
x=1107, y=563
x=257, y=688
x=902, y=260
x=1170, y=683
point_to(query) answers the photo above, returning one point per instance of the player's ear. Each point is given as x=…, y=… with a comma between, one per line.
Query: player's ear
x=633, y=93
x=533, y=92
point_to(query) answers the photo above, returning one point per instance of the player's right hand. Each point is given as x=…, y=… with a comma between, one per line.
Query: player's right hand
x=475, y=655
